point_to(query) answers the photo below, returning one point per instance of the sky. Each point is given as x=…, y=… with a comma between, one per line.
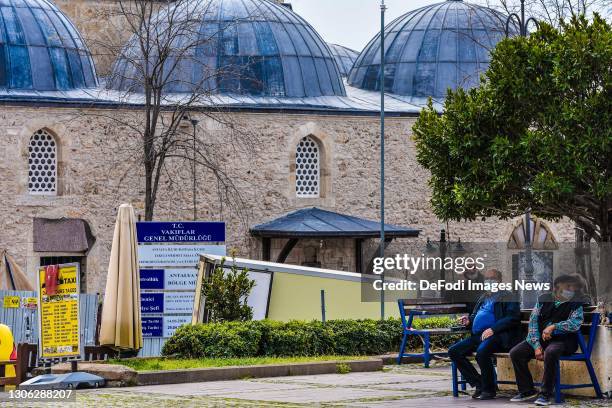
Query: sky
x=352, y=23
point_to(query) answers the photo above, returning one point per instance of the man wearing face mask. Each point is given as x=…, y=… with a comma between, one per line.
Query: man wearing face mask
x=494, y=324
x=552, y=333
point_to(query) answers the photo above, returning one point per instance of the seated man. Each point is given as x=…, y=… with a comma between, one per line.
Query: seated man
x=493, y=323
x=552, y=333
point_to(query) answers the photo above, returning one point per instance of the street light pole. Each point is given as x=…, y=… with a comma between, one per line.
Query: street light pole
x=522, y=23
x=383, y=8
x=528, y=267
x=194, y=123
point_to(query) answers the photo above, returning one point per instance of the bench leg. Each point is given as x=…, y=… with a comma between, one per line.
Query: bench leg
x=594, y=379
x=402, y=349
x=558, y=395
x=455, y=382
x=426, y=355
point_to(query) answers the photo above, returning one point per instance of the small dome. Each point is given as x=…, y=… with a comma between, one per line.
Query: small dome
x=440, y=46
x=345, y=57
x=246, y=47
x=41, y=50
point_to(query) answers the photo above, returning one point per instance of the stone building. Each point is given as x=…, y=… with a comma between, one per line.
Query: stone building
x=302, y=136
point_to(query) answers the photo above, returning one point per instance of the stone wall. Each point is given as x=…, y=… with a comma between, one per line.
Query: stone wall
x=99, y=169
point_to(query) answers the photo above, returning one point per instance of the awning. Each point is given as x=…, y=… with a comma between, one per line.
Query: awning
x=317, y=223
x=62, y=235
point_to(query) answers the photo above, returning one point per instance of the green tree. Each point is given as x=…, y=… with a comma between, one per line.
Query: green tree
x=536, y=134
x=226, y=293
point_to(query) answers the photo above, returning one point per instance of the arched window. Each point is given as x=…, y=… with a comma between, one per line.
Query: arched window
x=42, y=162
x=541, y=235
x=307, y=168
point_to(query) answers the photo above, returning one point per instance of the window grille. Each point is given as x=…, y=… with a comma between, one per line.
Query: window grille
x=42, y=161
x=307, y=168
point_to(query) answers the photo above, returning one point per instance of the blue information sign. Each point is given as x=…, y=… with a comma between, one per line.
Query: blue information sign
x=152, y=326
x=180, y=232
x=151, y=303
x=152, y=279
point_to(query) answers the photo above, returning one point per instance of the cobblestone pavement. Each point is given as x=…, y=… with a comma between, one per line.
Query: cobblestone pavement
x=404, y=386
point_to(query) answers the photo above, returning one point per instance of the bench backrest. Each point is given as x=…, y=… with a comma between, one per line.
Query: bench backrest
x=410, y=309
x=587, y=349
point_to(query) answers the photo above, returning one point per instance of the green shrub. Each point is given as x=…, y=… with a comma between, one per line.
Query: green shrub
x=214, y=340
x=297, y=338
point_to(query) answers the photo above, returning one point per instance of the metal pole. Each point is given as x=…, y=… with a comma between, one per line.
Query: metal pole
x=194, y=122
x=528, y=299
x=383, y=8
x=323, y=305
x=523, y=25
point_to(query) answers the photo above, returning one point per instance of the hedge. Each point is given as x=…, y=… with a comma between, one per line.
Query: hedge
x=298, y=338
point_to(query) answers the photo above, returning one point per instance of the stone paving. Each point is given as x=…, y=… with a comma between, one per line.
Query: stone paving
x=404, y=386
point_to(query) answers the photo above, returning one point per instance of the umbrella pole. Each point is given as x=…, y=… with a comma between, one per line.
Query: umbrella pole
x=10, y=272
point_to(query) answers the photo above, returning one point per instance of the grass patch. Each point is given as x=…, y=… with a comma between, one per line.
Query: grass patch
x=156, y=364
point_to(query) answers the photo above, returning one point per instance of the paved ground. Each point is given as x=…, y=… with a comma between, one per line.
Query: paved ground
x=404, y=386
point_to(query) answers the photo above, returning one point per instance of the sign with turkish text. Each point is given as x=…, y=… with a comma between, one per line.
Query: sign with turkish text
x=180, y=232
x=58, y=311
x=169, y=279
x=178, y=302
x=171, y=323
x=152, y=279
x=151, y=303
x=168, y=255
x=152, y=326
x=175, y=255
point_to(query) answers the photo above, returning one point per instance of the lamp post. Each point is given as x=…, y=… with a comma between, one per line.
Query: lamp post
x=194, y=123
x=522, y=23
x=528, y=268
x=383, y=9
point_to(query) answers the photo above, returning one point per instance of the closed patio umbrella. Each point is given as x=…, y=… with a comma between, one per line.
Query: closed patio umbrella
x=11, y=275
x=121, y=327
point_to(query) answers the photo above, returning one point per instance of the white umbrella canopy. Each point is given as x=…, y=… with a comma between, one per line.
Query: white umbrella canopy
x=121, y=325
x=11, y=275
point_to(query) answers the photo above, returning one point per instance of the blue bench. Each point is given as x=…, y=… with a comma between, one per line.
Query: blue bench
x=586, y=349
x=423, y=308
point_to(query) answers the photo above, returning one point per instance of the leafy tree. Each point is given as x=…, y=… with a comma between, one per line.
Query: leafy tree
x=536, y=134
x=226, y=293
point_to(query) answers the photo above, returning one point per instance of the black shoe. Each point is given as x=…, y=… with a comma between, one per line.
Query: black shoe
x=524, y=396
x=486, y=396
x=477, y=393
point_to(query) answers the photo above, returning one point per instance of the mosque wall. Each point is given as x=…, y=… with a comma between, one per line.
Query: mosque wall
x=99, y=169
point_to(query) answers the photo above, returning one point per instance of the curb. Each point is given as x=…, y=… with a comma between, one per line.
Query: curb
x=258, y=371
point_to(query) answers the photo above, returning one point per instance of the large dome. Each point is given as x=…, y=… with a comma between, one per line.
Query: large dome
x=345, y=57
x=440, y=46
x=246, y=47
x=40, y=49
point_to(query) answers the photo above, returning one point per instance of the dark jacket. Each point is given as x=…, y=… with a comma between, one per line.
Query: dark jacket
x=549, y=314
x=507, y=318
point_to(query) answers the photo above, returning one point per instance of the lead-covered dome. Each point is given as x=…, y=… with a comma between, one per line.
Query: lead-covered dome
x=345, y=57
x=40, y=49
x=246, y=47
x=440, y=46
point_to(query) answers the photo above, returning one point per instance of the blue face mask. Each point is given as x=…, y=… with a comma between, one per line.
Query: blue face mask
x=567, y=294
x=490, y=282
